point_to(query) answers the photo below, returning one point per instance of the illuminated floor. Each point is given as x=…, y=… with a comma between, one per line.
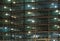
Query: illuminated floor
x=29, y=20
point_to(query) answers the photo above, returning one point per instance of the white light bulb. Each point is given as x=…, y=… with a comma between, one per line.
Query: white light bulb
x=20, y=36
x=57, y=11
x=14, y=2
x=28, y=5
x=52, y=3
x=33, y=8
x=10, y=9
x=12, y=29
x=6, y=34
x=55, y=18
x=56, y=6
x=5, y=27
x=35, y=36
x=5, y=7
x=9, y=0
x=12, y=35
x=15, y=17
x=55, y=25
x=58, y=19
x=28, y=26
x=58, y=26
x=33, y=1
x=6, y=14
x=53, y=40
x=33, y=21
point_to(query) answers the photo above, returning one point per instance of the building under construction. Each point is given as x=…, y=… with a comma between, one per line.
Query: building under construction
x=29, y=20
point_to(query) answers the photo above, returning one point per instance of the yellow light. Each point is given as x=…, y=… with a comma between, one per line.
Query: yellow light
x=12, y=29
x=6, y=20
x=11, y=22
x=13, y=16
x=29, y=32
x=29, y=12
x=57, y=26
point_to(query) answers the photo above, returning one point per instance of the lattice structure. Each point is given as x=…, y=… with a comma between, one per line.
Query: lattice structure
x=29, y=20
